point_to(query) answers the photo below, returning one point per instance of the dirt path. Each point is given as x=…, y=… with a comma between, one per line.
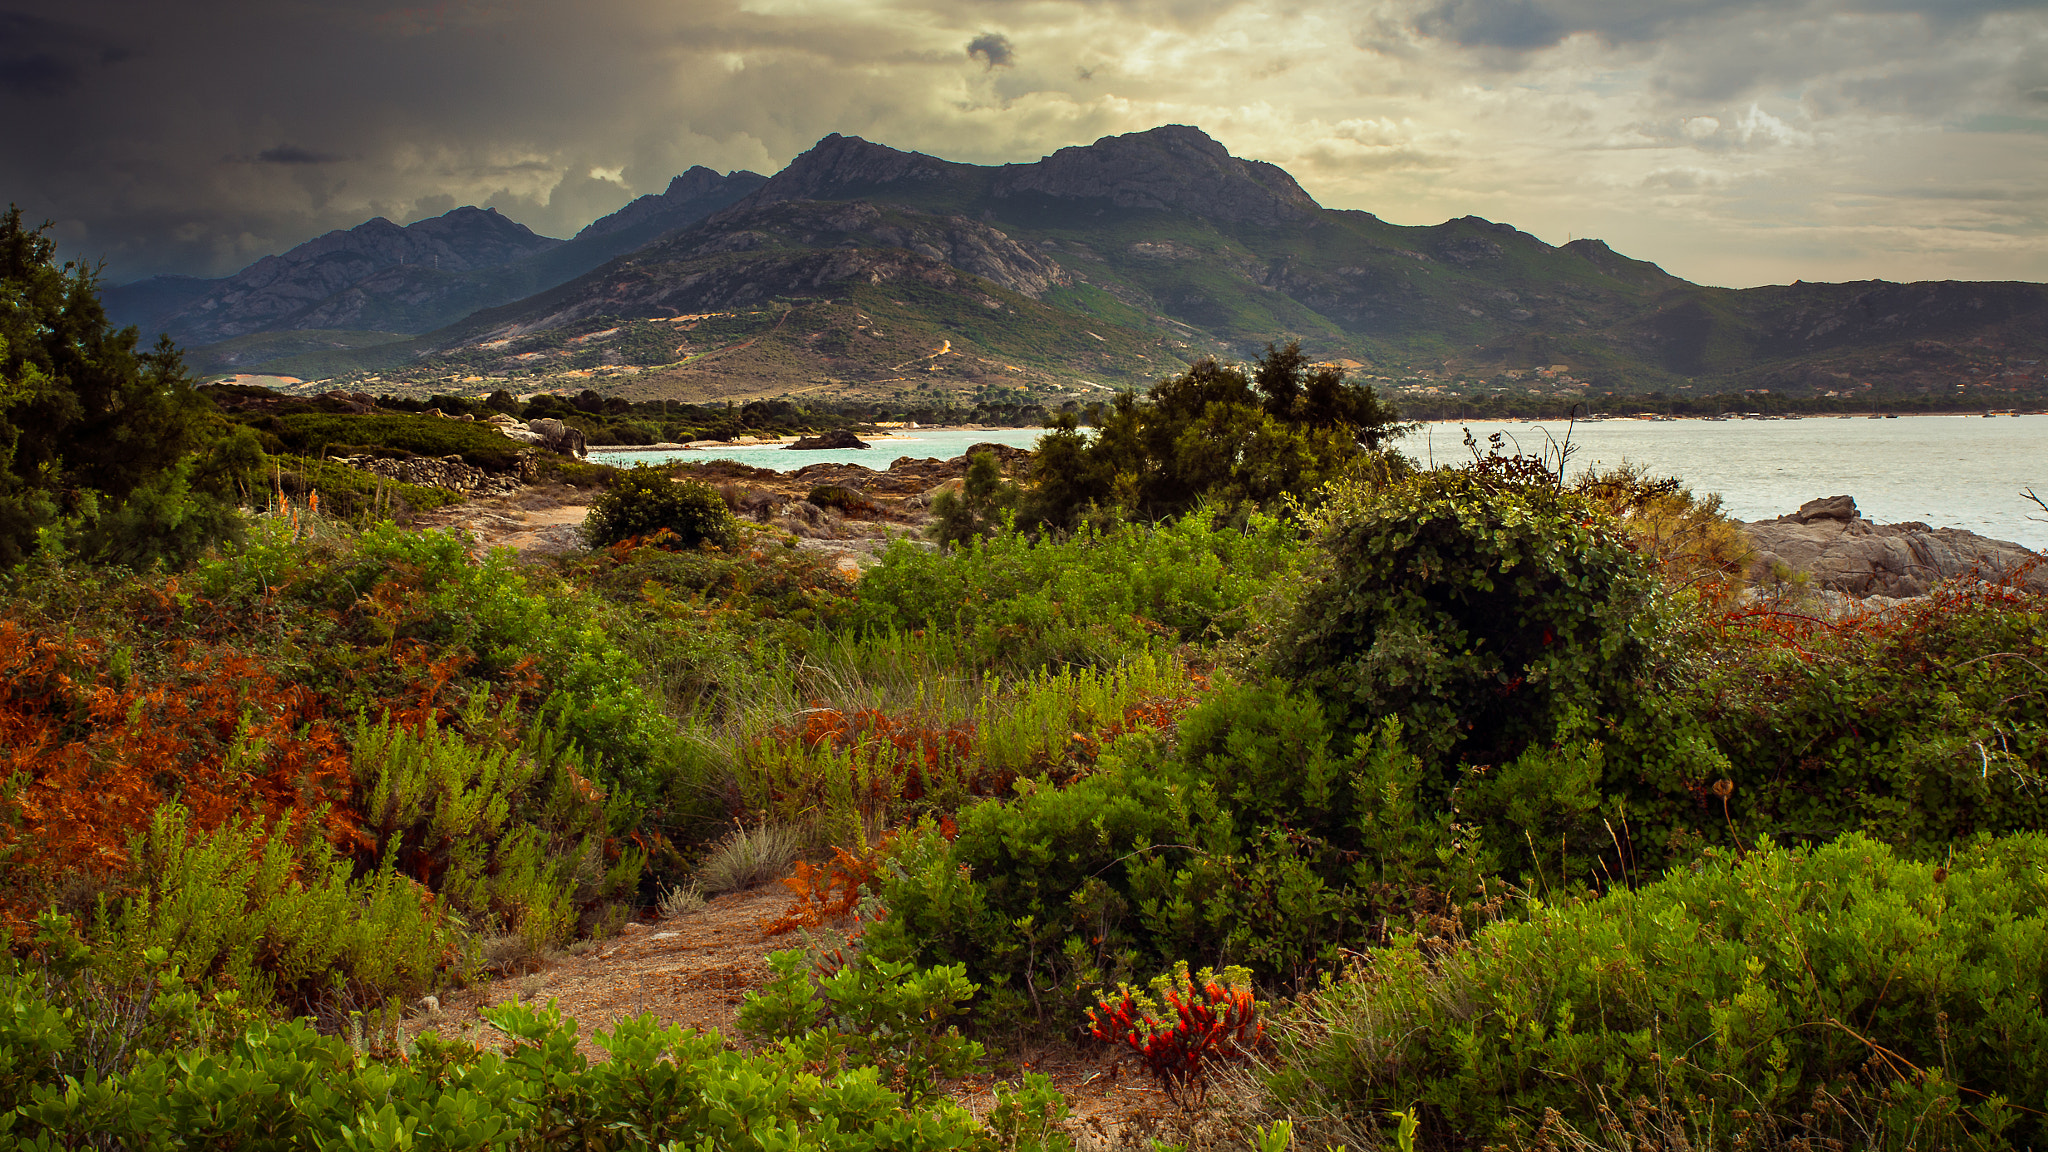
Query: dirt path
x=695, y=970
x=546, y=519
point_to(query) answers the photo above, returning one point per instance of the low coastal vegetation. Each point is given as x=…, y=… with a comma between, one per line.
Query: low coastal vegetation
x=1365, y=805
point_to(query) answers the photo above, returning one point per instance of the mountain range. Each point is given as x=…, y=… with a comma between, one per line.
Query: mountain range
x=862, y=270
x=379, y=277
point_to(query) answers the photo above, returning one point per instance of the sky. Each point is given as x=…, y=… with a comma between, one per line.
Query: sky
x=1734, y=142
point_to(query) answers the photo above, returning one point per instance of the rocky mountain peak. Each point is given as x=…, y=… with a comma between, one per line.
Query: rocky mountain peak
x=687, y=199
x=1172, y=167
x=838, y=167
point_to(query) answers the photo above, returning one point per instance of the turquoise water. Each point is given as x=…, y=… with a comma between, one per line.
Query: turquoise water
x=1947, y=471
x=942, y=443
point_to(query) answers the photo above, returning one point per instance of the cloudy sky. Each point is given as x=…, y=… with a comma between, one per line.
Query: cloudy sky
x=1735, y=142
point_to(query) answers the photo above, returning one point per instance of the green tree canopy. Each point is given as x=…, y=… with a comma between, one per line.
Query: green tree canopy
x=111, y=444
x=1239, y=434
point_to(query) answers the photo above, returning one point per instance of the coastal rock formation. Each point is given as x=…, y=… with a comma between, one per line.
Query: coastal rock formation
x=552, y=435
x=836, y=439
x=1842, y=552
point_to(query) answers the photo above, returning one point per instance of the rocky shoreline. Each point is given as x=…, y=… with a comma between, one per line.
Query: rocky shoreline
x=1837, y=551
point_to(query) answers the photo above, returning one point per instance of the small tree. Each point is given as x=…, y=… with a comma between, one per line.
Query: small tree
x=976, y=511
x=1248, y=434
x=646, y=501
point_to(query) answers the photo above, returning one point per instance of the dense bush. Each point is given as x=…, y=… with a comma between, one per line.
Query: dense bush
x=1839, y=993
x=1216, y=432
x=251, y=909
x=1920, y=727
x=646, y=501
x=1257, y=840
x=1477, y=608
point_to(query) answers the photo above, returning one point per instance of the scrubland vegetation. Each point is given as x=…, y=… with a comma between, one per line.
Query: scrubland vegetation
x=1365, y=805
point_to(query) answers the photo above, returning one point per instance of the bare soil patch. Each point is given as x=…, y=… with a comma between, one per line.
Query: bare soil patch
x=694, y=971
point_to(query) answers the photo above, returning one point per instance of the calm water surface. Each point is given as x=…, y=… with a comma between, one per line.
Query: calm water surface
x=1948, y=471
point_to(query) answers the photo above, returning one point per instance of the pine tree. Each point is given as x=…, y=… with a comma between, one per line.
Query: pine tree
x=109, y=447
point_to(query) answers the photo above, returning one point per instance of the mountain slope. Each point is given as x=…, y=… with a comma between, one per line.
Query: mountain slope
x=1163, y=247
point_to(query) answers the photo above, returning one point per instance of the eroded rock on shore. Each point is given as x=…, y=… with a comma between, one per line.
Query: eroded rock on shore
x=1841, y=552
x=839, y=438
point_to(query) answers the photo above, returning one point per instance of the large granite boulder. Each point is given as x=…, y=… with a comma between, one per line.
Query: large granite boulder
x=556, y=436
x=1845, y=553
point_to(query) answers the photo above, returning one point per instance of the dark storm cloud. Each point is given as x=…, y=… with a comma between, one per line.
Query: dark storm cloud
x=293, y=154
x=42, y=58
x=199, y=137
x=993, y=49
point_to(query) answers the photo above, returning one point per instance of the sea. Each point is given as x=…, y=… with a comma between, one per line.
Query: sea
x=1946, y=471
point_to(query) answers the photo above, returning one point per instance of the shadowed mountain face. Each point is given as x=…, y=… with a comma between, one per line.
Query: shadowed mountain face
x=1156, y=248
x=378, y=276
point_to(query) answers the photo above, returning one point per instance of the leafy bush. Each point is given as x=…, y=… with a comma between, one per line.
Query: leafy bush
x=867, y=1012
x=976, y=510
x=1254, y=841
x=1919, y=727
x=1475, y=607
x=101, y=443
x=1214, y=432
x=1842, y=992
x=513, y=833
x=645, y=501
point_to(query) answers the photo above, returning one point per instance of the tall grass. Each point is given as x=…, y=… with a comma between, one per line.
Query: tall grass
x=843, y=774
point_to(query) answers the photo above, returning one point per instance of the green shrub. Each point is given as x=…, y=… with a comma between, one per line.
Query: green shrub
x=246, y=908
x=645, y=501
x=1474, y=607
x=976, y=511
x=868, y=1011
x=1841, y=992
x=513, y=834
x=1919, y=728
x=286, y=1086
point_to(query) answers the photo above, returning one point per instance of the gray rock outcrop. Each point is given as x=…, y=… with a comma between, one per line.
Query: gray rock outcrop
x=839, y=438
x=1842, y=552
x=554, y=436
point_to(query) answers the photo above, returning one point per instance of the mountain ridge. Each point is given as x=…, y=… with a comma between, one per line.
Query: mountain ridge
x=1161, y=247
